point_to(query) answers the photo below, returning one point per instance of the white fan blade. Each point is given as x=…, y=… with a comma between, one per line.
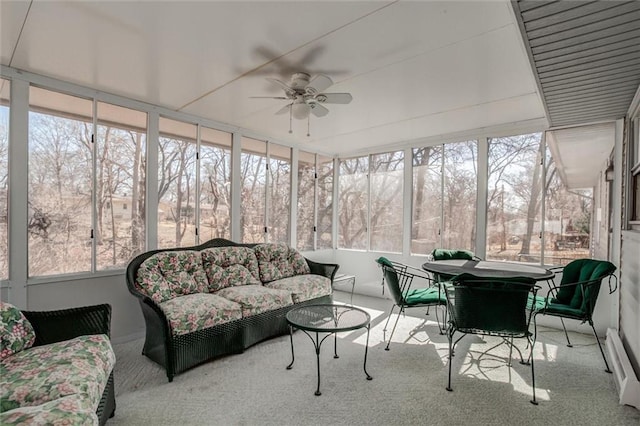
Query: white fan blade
x=319, y=83
x=318, y=110
x=267, y=97
x=284, y=109
x=334, y=98
x=288, y=90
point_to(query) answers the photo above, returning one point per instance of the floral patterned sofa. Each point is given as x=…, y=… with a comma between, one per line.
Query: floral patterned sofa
x=56, y=367
x=220, y=297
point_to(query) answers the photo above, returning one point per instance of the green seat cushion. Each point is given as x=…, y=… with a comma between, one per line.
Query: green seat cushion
x=428, y=295
x=446, y=254
x=384, y=262
x=563, y=310
x=535, y=303
x=552, y=308
x=582, y=270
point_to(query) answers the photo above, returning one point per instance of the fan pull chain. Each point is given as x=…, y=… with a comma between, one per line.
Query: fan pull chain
x=290, y=117
x=308, y=126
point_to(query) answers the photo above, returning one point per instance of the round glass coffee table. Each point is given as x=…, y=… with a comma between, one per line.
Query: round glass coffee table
x=330, y=319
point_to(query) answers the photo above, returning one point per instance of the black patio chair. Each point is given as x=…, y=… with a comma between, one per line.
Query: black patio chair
x=491, y=307
x=399, y=279
x=575, y=298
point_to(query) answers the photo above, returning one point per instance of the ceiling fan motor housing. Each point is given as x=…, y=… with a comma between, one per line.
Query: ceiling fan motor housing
x=299, y=81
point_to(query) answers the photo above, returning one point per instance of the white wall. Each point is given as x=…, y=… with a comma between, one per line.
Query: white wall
x=127, y=321
x=630, y=296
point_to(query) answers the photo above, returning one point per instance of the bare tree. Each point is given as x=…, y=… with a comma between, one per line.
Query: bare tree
x=512, y=163
x=176, y=183
x=306, y=199
x=386, y=200
x=253, y=187
x=352, y=205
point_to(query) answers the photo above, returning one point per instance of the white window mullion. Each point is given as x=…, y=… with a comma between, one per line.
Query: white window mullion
x=369, y=202
x=315, y=202
x=481, y=207
x=267, y=197
x=236, y=186
x=94, y=185
x=197, y=198
x=543, y=193
x=442, y=230
x=336, y=176
x=293, y=196
x=18, y=208
x=151, y=175
x=407, y=202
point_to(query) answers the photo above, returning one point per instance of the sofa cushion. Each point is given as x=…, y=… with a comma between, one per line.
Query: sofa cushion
x=198, y=311
x=298, y=262
x=277, y=261
x=230, y=266
x=303, y=287
x=257, y=298
x=170, y=274
x=16, y=332
x=77, y=367
x=69, y=410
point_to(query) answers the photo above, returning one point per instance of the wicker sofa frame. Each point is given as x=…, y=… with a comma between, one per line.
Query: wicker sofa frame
x=60, y=325
x=179, y=353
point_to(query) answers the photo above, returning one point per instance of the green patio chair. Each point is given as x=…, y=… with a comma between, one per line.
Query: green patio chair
x=576, y=296
x=399, y=279
x=491, y=307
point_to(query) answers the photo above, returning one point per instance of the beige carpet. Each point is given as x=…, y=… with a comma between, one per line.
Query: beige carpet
x=408, y=386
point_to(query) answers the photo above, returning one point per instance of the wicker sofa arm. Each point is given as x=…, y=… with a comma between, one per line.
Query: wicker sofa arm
x=325, y=269
x=65, y=324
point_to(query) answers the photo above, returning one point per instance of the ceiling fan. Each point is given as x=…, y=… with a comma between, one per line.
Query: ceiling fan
x=307, y=95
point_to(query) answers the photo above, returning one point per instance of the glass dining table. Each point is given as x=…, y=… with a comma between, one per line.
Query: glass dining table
x=487, y=269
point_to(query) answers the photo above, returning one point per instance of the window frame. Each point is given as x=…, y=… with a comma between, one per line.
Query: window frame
x=633, y=181
x=5, y=84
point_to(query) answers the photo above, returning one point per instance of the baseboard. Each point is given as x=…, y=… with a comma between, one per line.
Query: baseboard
x=625, y=378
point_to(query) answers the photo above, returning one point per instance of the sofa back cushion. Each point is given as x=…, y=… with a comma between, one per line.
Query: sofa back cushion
x=230, y=266
x=170, y=274
x=277, y=261
x=16, y=332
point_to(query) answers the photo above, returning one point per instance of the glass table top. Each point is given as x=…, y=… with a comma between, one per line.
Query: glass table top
x=328, y=318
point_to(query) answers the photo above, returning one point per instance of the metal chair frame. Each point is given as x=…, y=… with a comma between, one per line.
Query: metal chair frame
x=405, y=275
x=456, y=324
x=586, y=316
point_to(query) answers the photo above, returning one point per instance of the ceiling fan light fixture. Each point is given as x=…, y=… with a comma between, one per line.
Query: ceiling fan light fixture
x=300, y=111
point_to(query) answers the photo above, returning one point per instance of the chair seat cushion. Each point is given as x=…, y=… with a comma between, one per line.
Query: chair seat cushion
x=255, y=299
x=199, y=311
x=553, y=308
x=68, y=410
x=78, y=368
x=303, y=287
x=428, y=295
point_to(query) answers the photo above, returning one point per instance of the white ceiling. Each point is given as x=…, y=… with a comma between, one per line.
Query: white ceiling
x=581, y=152
x=416, y=69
